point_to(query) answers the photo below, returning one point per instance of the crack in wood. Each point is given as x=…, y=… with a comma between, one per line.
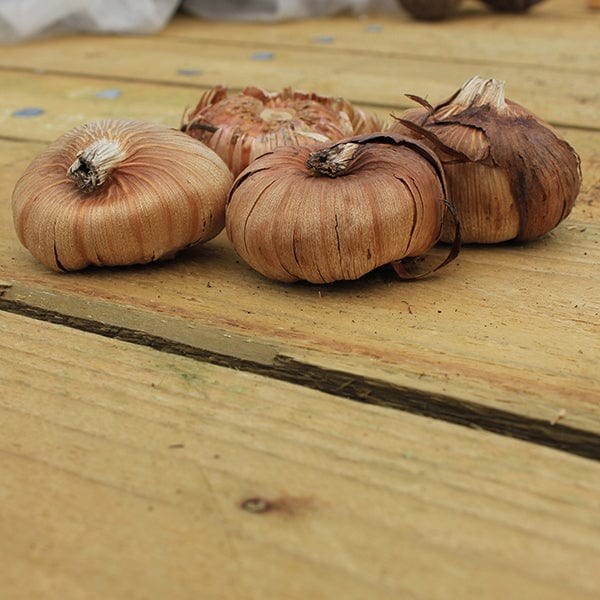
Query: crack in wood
x=343, y=384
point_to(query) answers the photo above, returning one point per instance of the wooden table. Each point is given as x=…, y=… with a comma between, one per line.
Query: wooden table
x=192, y=430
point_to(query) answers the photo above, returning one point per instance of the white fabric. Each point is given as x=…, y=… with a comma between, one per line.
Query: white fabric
x=281, y=10
x=23, y=19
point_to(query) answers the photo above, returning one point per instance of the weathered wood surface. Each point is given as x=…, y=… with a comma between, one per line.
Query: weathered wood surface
x=343, y=73
x=124, y=466
x=513, y=329
x=549, y=58
x=479, y=36
x=126, y=472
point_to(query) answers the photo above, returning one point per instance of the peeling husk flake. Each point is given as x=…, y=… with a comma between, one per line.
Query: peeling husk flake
x=509, y=174
x=242, y=126
x=337, y=212
x=119, y=192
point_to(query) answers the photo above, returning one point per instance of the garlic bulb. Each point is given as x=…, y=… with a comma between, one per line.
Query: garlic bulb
x=336, y=212
x=510, y=175
x=119, y=192
x=430, y=10
x=245, y=125
x=511, y=5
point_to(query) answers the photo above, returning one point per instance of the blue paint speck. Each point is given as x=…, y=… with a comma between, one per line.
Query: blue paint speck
x=324, y=39
x=262, y=56
x=28, y=112
x=374, y=28
x=189, y=72
x=108, y=94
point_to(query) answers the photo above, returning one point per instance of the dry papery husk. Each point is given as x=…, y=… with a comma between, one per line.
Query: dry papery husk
x=119, y=192
x=244, y=125
x=510, y=174
x=336, y=212
x=517, y=6
x=430, y=10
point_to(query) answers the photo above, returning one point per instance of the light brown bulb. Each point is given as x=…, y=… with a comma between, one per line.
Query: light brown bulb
x=430, y=10
x=338, y=211
x=509, y=174
x=119, y=192
x=242, y=126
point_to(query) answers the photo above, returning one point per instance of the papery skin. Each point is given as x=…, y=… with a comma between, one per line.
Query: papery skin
x=510, y=175
x=167, y=193
x=291, y=224
x=241, y=127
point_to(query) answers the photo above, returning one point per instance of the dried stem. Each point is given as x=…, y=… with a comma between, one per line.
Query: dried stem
x=482, y=92
x=93, y=165
x=332, y=161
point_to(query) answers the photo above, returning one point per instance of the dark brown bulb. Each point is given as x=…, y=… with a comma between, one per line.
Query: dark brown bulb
x=509, y=174
x=429, y=10
x=511, y=5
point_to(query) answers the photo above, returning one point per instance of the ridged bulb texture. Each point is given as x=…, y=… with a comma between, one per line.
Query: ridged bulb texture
x=510, y=175
x=336, y=212
x=119, y=192
x=242, y=126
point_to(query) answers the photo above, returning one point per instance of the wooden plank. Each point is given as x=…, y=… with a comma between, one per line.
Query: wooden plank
x=70, y=101
x=470, y=334
x=131, y=473
x=561, y=34
x=362, y=77
x=499, y=347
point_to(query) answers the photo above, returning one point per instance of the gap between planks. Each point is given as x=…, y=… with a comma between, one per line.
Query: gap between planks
x=267, y=360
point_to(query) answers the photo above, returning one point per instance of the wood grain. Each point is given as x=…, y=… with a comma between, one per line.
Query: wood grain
x=471, y=333
x=166, y=466
x=513, y=328
x=422, y=336
x=526, y=415
x=558, y=34
x=70, y=101
x=366, y=77
x=130, y=473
